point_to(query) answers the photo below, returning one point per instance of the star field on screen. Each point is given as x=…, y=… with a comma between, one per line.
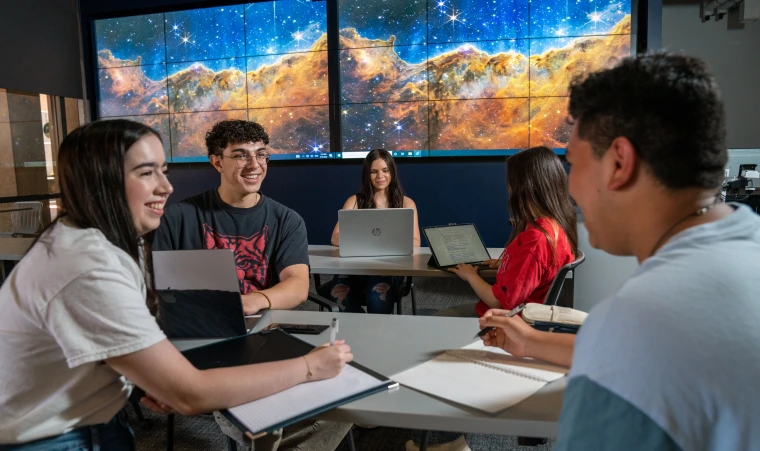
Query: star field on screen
x=284, y=26
x=205, y=34
x=131, y=39
x=381, y=19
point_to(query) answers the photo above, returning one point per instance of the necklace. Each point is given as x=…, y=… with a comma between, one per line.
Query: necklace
x=699, y=212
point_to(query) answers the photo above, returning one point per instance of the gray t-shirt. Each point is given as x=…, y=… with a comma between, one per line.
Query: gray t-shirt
x=672, y=360
x=72, y=302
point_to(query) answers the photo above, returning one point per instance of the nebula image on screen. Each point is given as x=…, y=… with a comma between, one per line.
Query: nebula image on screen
x=436, y=76
x=495, y=73
x=200, y=66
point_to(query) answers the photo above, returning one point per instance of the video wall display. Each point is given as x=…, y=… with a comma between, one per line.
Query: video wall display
x=417, y=77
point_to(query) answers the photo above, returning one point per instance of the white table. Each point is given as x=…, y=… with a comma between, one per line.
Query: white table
x=326, y=260
x=389, y=344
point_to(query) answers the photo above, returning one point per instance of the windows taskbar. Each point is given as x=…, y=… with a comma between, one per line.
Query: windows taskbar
x=362, y=154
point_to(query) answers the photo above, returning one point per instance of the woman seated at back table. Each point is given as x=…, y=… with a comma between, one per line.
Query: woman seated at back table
x=380, y=188
x=544, y=236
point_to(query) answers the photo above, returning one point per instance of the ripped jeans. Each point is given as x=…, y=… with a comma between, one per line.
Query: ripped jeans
x=376, y=292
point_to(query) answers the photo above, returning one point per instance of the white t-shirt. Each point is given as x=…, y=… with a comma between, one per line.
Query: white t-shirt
x=73, y=301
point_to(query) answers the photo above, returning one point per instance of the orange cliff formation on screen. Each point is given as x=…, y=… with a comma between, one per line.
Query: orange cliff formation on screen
x=372, y=71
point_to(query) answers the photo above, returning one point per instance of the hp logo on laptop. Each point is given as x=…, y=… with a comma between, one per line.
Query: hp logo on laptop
x=376, y=231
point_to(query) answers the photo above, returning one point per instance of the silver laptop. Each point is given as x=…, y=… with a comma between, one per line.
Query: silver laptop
x=376, y=232
x=199, y=294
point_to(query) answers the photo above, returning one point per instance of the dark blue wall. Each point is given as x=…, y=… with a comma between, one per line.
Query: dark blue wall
x=445, y=191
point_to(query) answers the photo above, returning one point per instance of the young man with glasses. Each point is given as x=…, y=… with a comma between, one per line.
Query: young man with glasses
x=269, y=242
x=269, y=239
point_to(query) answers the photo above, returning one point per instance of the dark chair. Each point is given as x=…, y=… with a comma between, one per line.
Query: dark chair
x=323, y=293
x=559, y=280
x=321, y=300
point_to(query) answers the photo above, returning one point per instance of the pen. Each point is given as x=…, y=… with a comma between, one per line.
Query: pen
x=333, y=330
x=510, y=313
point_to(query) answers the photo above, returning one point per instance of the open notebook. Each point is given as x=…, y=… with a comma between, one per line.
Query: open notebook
x=484, y=378
x=281, y=409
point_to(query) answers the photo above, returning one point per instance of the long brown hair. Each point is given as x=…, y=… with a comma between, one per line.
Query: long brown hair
x=93, y=193
x=538, y=189
x=366, y=197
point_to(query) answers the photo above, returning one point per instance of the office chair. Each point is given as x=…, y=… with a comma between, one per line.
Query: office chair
x=559, y=280
x=407, y=288
x=27, y=221
x=321, y=300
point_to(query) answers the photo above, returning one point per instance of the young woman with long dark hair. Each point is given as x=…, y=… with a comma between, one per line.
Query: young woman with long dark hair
x=381, y=188
x=77, y=328
x=544, y=236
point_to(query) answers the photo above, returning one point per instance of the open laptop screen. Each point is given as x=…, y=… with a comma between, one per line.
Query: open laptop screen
x=454, y=244
x=199, y=293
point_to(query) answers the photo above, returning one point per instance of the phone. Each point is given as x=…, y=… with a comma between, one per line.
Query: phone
x=305, y=329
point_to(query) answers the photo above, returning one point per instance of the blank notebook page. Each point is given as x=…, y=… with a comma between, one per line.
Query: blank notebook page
x=264, y=413
x=484, y=378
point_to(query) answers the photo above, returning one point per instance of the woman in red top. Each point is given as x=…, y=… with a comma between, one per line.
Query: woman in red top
x=544, y=236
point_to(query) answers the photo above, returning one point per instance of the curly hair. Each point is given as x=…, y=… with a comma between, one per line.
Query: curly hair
x=668, y=106
x=224, y=133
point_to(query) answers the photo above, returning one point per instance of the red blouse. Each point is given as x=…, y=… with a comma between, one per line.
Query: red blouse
x=529, y=265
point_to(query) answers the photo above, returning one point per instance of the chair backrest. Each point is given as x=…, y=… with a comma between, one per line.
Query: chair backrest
x=29, y=220
x=553, y=295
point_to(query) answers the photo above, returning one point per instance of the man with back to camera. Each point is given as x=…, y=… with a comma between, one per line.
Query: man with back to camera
x=270, y=246
x=670, y=361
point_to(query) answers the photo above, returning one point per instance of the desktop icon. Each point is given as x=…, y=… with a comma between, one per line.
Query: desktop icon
x=410, y=154
x=298, y=156
x=418, y=153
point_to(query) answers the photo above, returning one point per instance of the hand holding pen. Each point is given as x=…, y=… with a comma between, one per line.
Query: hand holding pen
x=328, y=360
x=507, y=332
x=497, y=312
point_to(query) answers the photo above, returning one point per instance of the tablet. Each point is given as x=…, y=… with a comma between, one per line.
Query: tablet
x=453, y=244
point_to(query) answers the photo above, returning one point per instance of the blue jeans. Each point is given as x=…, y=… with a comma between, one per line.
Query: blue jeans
x=116, y=435
x=376, y=292
x=436, y=437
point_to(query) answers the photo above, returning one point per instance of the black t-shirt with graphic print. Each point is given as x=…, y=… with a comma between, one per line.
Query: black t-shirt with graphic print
x=265, y=238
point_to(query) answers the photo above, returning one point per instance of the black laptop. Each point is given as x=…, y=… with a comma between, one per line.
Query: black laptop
x=199, y=294
x=453, y=244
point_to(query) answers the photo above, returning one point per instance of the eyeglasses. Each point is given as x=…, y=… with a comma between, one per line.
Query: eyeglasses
x=244, y=159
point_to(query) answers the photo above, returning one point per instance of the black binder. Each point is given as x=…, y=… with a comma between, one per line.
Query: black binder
x=269, y=346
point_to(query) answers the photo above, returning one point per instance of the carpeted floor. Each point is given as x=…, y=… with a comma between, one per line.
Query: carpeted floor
x=202, y=433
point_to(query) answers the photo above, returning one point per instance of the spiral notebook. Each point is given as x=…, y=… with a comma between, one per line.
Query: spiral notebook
x=484, y=378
